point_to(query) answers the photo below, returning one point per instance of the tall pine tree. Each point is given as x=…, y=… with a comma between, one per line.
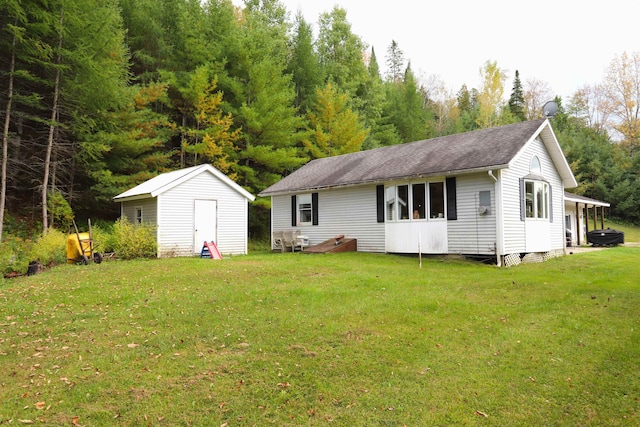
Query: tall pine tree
x=516, y=100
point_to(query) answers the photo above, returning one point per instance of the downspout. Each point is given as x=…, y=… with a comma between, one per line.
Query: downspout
x=499, y=236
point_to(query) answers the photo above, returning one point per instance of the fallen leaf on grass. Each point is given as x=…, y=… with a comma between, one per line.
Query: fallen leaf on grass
x=132, y=345
x=40, y=405
x=482, y=414
x=26, y=421
x=284, y=385
x=75, y=422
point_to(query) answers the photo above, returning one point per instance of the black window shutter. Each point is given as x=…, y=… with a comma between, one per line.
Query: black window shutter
x=522, y=204
x=314, y=208
x=294, y=211
x=380, y=202
x=550, y=203
x=452, y=207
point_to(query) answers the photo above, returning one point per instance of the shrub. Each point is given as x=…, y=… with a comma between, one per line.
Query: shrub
x=103, y=238
x=59, y=210
x=50, y=249
x=14, y=255
x=134, y=240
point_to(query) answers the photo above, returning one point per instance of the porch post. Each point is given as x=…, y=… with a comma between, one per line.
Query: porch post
x=595, y=217
x=602, y=218
x=586, y=218
x=578, y=227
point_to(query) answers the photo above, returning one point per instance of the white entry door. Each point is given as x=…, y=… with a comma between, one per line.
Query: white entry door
x=205, y=223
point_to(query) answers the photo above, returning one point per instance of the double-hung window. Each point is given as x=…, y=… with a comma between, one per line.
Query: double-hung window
x=304, y=209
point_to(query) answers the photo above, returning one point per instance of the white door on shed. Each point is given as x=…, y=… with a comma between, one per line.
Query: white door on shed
x=205, y=223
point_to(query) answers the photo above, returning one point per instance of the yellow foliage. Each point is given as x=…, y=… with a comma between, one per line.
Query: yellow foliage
x=335, y=128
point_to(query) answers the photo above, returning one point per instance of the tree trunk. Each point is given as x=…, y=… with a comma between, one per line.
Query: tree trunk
x=5, y=136
x=52, y=128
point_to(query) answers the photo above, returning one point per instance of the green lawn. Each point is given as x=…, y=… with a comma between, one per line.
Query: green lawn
x=348, y=339
x=631, y=233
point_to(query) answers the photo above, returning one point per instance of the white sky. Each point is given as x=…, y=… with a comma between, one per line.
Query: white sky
x=566, y=43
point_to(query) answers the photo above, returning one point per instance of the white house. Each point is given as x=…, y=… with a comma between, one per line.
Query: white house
x=190, y=206
x=496, y=193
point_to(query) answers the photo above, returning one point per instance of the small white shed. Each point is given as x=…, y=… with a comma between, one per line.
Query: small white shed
x=190, y=206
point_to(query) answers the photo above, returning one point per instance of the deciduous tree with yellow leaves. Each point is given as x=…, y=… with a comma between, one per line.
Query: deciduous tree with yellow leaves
x=334, y=128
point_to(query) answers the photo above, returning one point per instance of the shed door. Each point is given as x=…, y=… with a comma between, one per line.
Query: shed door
x=205, y=223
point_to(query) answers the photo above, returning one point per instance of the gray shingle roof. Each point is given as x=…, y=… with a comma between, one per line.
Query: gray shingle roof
x=482, y=149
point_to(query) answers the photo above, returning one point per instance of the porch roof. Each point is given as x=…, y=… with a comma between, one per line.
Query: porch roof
x=574, y=198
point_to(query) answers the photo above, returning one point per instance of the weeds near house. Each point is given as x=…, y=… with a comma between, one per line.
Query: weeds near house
x=338, y=339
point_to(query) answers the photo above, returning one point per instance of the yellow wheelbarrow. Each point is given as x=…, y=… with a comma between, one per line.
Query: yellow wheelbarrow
x=80, y=248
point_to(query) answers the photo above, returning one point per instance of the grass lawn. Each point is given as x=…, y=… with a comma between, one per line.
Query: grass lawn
x=631, y=233
x=349, y=339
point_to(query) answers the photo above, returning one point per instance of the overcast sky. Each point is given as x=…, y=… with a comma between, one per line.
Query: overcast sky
x=566, y=43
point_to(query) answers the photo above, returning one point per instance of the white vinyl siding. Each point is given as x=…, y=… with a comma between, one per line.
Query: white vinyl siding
x=472, y=232
x=149, y=211
x=345, y=211
x=176, y=232
x=515, y=230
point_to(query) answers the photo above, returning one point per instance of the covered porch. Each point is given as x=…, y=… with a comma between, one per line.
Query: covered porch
x=578, y=220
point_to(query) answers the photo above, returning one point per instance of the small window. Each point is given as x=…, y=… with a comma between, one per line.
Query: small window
x=436, y=199
x=139, y=215
x=403, y=201
x=419, y=196
x=534, y=166
x=304, y=209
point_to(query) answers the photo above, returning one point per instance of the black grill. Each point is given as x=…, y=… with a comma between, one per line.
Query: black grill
x=606, y=237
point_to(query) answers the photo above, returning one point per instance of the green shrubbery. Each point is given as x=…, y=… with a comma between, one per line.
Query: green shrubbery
x=134, y=240
x=127, y=240
x=50, y=249
x=14, y=255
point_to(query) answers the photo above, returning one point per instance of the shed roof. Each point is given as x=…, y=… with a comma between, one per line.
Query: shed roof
x=466, y=152
x=163, y=182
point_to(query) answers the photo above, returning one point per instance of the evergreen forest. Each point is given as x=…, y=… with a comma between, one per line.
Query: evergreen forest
x=98, y=96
